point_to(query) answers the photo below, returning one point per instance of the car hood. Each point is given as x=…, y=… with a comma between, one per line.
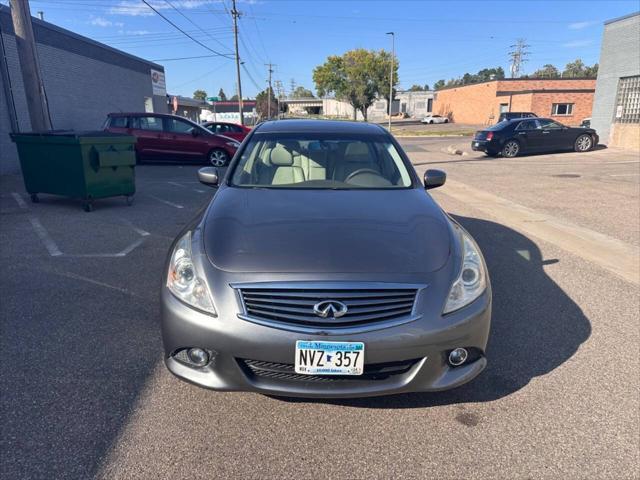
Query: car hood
x=326, y=231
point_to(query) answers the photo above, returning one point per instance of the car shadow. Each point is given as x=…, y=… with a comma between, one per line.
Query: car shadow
x=536, y=326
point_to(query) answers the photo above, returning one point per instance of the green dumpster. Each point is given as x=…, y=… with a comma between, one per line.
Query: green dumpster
x=83, y=165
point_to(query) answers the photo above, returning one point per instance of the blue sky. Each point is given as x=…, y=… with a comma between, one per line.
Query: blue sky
x=434, y=39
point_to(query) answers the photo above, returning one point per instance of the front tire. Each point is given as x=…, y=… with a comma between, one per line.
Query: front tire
x=510, y=149
x=218, y=157
x=446, y=120
x=583, y=143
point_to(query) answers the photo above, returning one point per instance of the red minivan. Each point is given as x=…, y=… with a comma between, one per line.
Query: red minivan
x=233, y=130
x=163, y=137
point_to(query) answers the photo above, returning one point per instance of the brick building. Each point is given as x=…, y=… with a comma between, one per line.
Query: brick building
x=567, y=100
x=83, y=79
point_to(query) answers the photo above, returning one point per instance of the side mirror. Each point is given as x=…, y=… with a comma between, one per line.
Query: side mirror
x=434, y=179
x=208, y=176
x=195, y=132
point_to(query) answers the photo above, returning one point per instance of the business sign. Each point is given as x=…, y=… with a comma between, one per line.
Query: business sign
x=158, y=83
x=619, y=111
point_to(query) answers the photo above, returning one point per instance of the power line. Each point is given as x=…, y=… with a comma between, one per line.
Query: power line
x=185, y=33
x=181, y=58
x=255, y=84
x=195, y=24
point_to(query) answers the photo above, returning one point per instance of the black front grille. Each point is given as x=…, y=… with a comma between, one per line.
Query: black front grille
x=286, y=371
x=294, y=306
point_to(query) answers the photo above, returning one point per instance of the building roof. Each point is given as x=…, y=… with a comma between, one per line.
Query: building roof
x=319, y=126
x=49, y=34
x=528, y=79
x=624, y=17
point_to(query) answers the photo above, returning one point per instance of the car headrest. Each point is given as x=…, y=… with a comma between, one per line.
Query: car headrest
x=356, y=149
x=281, y=157
x=292, y=145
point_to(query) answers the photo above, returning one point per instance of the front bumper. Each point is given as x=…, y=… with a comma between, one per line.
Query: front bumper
x=231, y=339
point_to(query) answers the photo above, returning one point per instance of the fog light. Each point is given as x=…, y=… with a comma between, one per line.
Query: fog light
x=458, y=356
x=200, y=358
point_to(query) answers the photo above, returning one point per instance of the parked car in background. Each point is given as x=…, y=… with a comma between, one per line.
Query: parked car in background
x=435, y=119
x=514, y=115
x=232, y=130
x=166, y=138
x=586, y=123
x=527, y=135
x=323, y=268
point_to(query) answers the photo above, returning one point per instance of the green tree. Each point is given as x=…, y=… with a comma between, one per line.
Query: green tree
x=547, y=71
x=357, y=77
x=577, y=69
x=592, y=71
x=222, y=96
x=426, y=87
x=439, y=84
x=301, y=92
x=417, y=88
x=262, y=103
x=200, y=95
x=234, y=98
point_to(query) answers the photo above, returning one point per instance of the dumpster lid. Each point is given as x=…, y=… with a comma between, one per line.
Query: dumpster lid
x=72, y=134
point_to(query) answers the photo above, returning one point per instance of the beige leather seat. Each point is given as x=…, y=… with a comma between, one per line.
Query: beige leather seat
x=282, y=170
x=356, y=157
x=312, y=168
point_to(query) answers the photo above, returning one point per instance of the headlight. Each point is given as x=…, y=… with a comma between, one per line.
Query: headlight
x=233, y=144
x=471, y=281
x=183, y=279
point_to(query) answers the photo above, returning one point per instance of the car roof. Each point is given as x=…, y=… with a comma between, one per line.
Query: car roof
x=144, y=114
x=319, y=126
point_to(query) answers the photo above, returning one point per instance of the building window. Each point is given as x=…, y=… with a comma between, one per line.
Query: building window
x=628, y=100
x=562, y=109
x=430, y=105
x=504, y=107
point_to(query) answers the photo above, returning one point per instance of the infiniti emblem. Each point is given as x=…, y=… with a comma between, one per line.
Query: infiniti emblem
x=330, y=308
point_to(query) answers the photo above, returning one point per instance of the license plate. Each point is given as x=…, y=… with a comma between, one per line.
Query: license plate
x=476, y=144
x=329, y=358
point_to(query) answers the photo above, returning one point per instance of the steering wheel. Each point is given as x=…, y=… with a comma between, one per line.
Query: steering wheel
x=360, y=171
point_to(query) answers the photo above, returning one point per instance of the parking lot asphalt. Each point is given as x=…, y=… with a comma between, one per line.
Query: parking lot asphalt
x=85, y=393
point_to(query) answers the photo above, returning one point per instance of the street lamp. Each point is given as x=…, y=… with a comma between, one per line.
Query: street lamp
x=393, y=57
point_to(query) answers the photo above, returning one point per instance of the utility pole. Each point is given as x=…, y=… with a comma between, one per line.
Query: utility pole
x=269, y=90
x=280, y=91
x=393, y=61
x=293, y=86
x=518, y=55
x=235, y=14
x=30, y=67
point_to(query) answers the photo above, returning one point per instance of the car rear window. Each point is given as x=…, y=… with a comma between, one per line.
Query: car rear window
x=118, y=122
x=147, y=123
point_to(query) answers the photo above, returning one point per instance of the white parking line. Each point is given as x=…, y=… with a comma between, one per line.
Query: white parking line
x=176, y=184
x=198, y=190
x=48, y=242
x=166, y=202
x=21, y=203
x=625, y=175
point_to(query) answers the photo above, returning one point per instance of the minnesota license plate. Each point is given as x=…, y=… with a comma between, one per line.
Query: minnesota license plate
x=329, y=358
x=476, y=144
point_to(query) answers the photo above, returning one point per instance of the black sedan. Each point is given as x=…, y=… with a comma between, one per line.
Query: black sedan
x=512, y=137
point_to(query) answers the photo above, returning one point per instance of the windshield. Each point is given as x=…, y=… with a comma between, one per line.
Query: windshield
x=270, y=161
